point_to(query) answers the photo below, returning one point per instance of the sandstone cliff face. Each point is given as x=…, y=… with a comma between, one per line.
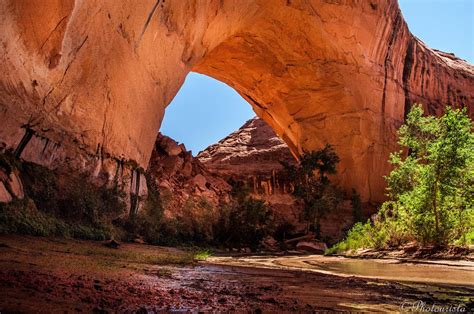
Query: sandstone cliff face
x=87, y=82
x=252, y=155
x=183, y=182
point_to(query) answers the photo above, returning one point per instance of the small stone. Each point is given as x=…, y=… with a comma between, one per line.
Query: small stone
x=112, y=244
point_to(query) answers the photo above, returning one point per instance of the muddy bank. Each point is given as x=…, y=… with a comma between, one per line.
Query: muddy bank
x=44, y=275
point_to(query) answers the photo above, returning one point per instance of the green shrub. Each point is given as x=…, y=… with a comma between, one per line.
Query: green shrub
x=72, y=198
x=284, y=230
x=22, y=217
x=244, y=223
x=58, y=204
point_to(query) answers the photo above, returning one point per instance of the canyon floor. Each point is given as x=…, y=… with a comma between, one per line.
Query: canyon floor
x=55, y=275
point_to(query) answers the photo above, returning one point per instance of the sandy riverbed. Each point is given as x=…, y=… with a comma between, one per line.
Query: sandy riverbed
x=44, y=275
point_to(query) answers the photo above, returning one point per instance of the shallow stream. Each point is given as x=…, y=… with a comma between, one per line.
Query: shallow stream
x=404, y=270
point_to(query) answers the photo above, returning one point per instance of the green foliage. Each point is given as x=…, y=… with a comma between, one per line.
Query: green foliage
x=193, y=227
x=357, y=237
x=240, y=190
x=312, y=186
x=148, y=222
x=431, y=187
x=58, y=204
x=22, y=217
x=284, y=230
x=244, y=223
x=71, y=198
x=202, y=255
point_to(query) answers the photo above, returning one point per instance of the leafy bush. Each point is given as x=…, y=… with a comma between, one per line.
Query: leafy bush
x=58, y=204
x=193, y=227
x=432, y=187
x=244, y=223
x=72, y=198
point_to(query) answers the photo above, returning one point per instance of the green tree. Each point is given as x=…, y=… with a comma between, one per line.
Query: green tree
x=357, y=211
x=431, y=185
x=430, y=189
x=312, y=185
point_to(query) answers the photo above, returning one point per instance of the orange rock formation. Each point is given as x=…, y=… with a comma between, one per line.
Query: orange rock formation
x=252, y=155
x=85, y=83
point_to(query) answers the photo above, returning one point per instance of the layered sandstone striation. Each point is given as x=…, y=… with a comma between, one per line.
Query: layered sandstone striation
x=85, y=83
x=253, y=154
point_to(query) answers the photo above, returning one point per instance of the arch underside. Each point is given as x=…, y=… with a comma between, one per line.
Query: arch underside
x=94, y=77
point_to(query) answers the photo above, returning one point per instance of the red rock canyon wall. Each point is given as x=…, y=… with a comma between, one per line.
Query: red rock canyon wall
x=85, y=83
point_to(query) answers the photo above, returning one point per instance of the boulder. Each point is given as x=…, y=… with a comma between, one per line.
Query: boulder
x=199, y=181
x=187, y=169
x=269, y=243
x=170, y=146
x=5, y=197
x=312, y=246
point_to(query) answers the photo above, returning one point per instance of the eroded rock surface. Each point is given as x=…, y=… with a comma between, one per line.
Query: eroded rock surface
x=187, y=189
x=92, y=79
x=11, y=186
x=253, y=155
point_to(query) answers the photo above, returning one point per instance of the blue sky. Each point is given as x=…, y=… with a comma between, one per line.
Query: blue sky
x=206, y=110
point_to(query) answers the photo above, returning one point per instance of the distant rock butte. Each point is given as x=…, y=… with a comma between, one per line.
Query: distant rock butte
x=85, y=84
x=252, y=155
x=252, y=150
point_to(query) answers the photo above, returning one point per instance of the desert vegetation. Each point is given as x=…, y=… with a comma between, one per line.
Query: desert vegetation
x=245, y=221
x=430, y=190
x=313, y=187
x=430, y=199
x=58, y=205
x=242, y=222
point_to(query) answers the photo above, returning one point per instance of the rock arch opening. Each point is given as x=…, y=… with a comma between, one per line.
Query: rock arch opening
x=203, y=112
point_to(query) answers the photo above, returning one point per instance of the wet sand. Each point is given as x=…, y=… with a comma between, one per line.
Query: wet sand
x=424, y=271
x=44, y=275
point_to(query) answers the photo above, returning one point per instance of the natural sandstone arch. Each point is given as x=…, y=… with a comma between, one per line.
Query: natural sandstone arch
x=94, y=77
